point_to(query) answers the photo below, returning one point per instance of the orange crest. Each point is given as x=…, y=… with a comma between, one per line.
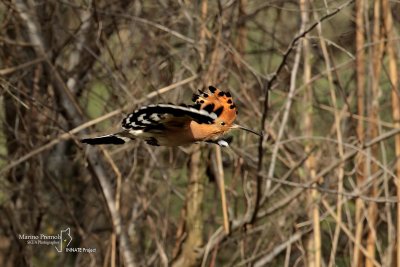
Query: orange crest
x=219, y=102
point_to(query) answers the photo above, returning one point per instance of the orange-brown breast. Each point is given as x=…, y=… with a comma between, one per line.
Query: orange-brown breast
x=204, y=132
x=194, y=132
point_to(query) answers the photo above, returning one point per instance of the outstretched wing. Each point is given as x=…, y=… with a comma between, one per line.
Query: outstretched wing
x=166, y=115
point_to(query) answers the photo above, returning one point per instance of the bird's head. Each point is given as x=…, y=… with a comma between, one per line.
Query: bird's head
x=220, y=103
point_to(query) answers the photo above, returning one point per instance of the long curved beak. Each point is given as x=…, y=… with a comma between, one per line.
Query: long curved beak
x=236, y=126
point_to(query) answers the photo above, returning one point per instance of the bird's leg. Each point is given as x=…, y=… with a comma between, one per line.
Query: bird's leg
x=222, y=142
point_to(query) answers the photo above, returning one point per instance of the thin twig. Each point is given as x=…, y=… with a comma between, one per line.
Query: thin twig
x=221, y=185
x=267, y=87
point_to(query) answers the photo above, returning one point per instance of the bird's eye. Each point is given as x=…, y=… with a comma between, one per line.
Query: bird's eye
x=222, y=123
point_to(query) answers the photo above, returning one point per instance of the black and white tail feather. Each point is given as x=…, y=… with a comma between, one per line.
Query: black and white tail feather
x=110, y=139
x=146, y=121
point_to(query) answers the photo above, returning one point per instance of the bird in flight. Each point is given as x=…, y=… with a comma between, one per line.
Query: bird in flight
x=207, y=120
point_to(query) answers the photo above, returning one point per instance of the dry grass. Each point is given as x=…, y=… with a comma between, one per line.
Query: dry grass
x=319, y=78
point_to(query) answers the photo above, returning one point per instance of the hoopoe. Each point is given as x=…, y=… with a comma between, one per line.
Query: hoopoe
x=208, y=120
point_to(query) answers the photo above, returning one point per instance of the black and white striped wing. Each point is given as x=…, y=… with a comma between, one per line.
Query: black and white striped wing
x=164, y=115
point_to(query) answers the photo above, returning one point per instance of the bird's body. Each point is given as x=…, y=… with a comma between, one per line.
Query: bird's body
x=208, y=120
x=177, y=135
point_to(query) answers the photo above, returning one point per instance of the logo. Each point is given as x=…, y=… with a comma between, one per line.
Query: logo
x=65, y=239
x=61, y=242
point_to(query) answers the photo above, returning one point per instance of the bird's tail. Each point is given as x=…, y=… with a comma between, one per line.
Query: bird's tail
x=110, y=139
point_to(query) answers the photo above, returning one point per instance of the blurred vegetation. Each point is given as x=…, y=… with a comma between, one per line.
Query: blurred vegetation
x=66, y=63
